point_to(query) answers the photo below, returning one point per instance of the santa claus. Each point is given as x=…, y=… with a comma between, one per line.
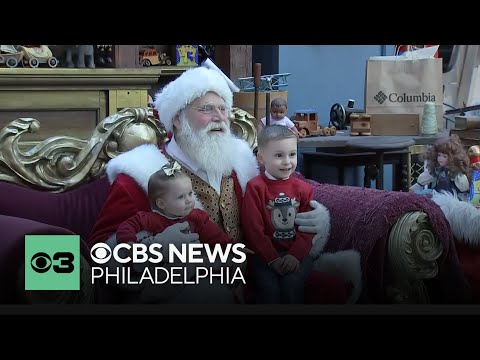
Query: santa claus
x=195, y=108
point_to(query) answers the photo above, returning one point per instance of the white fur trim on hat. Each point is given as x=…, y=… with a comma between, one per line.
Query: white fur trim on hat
x=192, y=84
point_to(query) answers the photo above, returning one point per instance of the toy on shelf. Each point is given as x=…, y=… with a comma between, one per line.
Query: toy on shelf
x=10, y=56
x=271, y=82
x=187, y=55
x=35, y=55
x=103, y=55
x=360, y=124
x=149, y=57
x=79, y=56
x=165, y=59
x=340, y=116
x=306, y=122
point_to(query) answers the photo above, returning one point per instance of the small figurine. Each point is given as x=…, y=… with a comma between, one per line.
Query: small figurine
x=103, y=56
x=82, y=54
x=447, y=168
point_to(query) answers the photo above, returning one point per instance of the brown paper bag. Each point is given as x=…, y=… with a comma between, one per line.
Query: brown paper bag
x=403, y=86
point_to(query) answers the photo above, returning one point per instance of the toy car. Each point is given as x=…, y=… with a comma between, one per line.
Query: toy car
x=165, y=59
x=149, y=57
x=306, y=122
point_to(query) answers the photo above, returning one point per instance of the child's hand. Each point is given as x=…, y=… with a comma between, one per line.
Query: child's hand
x=277, y=265
x=290, y=264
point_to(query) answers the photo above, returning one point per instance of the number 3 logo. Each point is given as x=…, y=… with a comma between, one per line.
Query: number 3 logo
x=41, y=262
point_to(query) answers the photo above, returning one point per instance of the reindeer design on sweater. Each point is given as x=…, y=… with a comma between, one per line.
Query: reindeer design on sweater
x=283, y=210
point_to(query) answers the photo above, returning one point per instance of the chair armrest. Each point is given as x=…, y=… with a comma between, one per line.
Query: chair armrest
x=12, y=253
x=413, y=251
x=404, y=240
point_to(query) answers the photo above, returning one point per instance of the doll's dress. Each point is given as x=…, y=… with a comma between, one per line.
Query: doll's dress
x=443, y=182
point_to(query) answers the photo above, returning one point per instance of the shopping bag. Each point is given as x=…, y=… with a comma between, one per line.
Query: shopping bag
x=400, y=49
x=403, y=84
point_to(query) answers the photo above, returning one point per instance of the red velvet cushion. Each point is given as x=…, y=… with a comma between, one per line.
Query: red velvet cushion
x=75, y=210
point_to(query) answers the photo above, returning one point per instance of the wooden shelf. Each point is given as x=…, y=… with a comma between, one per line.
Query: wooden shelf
x=98, y=78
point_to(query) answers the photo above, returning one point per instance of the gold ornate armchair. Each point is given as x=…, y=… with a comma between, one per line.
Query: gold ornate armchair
x=60, y=164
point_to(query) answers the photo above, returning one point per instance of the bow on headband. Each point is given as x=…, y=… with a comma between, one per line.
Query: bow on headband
x=170, y=170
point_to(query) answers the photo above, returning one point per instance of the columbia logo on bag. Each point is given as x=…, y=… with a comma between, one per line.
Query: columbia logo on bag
x=381, y=97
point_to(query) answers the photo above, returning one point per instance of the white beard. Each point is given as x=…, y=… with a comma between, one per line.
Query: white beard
x=214, y=152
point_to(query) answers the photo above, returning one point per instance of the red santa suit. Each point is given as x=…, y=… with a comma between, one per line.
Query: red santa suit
x=264, y=199
x=129, y=173
x=154, y=222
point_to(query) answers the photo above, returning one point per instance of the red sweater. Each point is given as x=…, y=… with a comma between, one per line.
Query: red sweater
x=268, y=214
x=155, y=223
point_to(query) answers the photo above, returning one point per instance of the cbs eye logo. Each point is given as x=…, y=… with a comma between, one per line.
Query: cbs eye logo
x=101, y=253
x=61, y=263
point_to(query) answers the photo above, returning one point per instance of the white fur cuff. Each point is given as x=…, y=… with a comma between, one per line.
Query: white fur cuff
x=346, y=265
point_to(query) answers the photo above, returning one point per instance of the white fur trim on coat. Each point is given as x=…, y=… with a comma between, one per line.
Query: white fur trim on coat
x=345, y=265
x=342, y=264
x=245, y=163
x=464, y=218
x=139, y=163
x=192, y=84
x=144, y=160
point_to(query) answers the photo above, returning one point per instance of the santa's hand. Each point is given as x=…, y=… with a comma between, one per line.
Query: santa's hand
x=314, y=220
x=175, y=234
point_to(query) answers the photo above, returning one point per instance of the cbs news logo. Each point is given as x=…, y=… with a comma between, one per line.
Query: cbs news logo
x=52, y=262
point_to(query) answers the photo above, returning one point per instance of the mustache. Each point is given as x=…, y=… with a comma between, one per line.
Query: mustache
x=220, y=125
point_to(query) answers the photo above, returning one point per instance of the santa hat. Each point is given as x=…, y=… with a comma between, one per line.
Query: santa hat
x=192, y=84
x=283, y=200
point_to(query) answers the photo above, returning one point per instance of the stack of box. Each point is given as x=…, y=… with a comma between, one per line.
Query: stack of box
x=468, y=129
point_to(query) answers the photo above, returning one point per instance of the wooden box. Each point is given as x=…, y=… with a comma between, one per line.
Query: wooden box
x=360, y=124
x=468, y=137
x=395, y=124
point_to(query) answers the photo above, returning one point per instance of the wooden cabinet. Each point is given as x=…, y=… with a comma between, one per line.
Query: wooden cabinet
x=73, y=101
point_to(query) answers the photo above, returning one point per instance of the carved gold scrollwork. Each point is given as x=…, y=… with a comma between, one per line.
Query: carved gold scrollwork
x=62, y=162
x=413, y=251
x=244, y=126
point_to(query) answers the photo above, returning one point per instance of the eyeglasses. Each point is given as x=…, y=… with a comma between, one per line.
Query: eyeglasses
x=209, y=109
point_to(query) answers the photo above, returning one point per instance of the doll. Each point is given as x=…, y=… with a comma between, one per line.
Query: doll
x=447, y=168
